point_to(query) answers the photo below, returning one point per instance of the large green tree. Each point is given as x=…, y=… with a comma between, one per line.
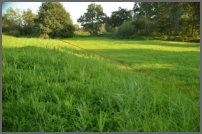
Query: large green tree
x=54, y=21
x=118, y=17
x=168, y=18
x=29, y=19
x=93, y=19
x=12, y=20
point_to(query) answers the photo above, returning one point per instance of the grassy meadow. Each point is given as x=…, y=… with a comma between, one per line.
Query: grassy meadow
x=48, y=85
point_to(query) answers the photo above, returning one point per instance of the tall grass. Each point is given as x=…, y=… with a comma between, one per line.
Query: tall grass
x=50, y=86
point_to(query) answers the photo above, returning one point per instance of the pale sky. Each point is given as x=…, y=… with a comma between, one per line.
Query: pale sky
x=76, y=9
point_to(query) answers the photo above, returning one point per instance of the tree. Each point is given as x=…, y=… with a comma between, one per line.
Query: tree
x=167, y=18
x=28, y=22
x=126, y=30
x=93, y=19
x=12, y=20
x=54, y=21
x=5, y=23
x=194, y=15
x=76, y=27
x=118, y=17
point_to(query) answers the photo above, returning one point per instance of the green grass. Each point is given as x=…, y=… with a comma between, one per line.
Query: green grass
x=49, y=85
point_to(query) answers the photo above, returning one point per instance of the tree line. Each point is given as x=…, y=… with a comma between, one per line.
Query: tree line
x=160, y=20
x=177, y=20
x=51, y=21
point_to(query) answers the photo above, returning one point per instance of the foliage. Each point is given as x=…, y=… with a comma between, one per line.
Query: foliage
x=28, y=22
x=12, y=20
x=118, y=17
x=167, y=19
x=17, y=22
x=164, y=37
x=77, y=27
x=108, y=27
x=102, y=29
x=93, y=19
x=179, y=38
x=54, y=21
x=126, y=30
x=143, y=26
x=170, y=18
x=13, y=33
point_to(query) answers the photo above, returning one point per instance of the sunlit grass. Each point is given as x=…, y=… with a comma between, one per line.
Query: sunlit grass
x=160, y=58
x=104, y=44
x=157, y=66
x=150, y=45
x=50, y=86
x=179, y=43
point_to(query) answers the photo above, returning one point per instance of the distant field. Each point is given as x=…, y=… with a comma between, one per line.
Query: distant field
x=49, y=85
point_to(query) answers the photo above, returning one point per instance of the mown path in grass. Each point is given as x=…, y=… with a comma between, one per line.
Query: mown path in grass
x=50, y=86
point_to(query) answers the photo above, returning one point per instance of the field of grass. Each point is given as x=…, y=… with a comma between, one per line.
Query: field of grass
x=49, y=85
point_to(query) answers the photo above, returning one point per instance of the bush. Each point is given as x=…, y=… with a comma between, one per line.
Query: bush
x=81, y=33
x=194, y=40
x=179, y=38
x=171, y=38
x=186, y=38
x=102, y=29
x=164, y=37
x=67, y=31
x=44, y=36
x=133, y=36
x=108, y=27
x=183, y=38
x=126, y=30
x=140, y=38
x=155, y=37
x=13, y=33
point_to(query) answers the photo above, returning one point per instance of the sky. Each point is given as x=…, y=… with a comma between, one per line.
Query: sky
x=76, y=9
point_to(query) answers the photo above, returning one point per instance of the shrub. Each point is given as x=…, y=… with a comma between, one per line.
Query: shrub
x=126, y=30
x=108, y=27
x=194, y=40
x=156, y=37
x=13, y=33
x=45, y=36
x=164, y=37
x=133, y=36
x=171, y=38
x=102, y=29
x=67, y=31
x=179, y=38
x=186, y=38
x=140, y=38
